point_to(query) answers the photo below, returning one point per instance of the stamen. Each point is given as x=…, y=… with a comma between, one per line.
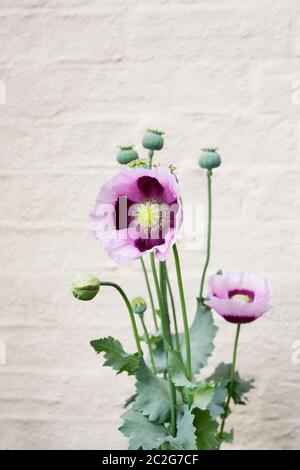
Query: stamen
x=148, y=215
x=241, y=298
x=242, y=295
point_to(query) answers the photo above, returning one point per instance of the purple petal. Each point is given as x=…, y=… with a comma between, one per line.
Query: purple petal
x=228, y=308
x=113, y=227
x=148, y=243
x=151, y=188
x=239, y=319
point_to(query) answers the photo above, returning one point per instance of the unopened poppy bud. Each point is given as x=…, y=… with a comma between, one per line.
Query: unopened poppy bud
x=85, y=286
x=153, y=140
x=126, y=155
x=139, y=305
x=209, y=158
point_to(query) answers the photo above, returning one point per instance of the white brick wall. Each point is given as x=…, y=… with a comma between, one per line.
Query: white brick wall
x=82, y=77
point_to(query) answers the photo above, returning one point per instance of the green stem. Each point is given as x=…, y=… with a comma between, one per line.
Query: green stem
x=148, y=344
x=156, y=281
x=184, y=315
x=231, y=383
x=165, y=320
x=173, y=312
x=131, y=314
x=149, y=293
x=150, y=157
x=165, y=316
x=209, y=175
x=166, y=334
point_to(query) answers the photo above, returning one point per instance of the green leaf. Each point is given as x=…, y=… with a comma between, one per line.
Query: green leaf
x=216, y=406
x=129, y=401
x=227, y=437
x=202, y=333
x=155, y=339
x=177, y=370
x=185, y=438
x=160, y=357
x=155, y=342
x=203, y=395
x=115, y=355
x=221, y=373
x=241, y=386
x=152, y=395
x=141, y=432
x=206, y=430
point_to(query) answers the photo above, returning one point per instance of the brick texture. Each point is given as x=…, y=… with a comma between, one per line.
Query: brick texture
x=82, y=77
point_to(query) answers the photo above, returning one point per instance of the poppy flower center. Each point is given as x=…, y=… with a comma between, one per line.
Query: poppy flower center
x=242, y=295
x=241, y=298
x=148, y=215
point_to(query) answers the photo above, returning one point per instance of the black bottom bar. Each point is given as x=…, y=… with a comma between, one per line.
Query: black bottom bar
x=136, y=459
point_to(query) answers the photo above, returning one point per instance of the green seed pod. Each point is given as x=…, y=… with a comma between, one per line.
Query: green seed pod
x=209, y=158
x=153, y=140
x=139, y=305
x=126, y=155
x=139, y=163
x=85, y=286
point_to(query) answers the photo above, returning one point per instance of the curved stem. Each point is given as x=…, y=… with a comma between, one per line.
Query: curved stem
x=149, y=293
x=209, y=175
x=131, y=314
x=231, y=383
x=165, y=320
x=148, y=344
x=173, y=312
x=184, y=315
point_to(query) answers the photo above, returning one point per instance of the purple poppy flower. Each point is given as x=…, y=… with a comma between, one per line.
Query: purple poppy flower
x=138, y=211
x=239, y=297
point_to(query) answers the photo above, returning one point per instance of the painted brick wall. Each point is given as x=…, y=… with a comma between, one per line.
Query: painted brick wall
x=82, y=77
